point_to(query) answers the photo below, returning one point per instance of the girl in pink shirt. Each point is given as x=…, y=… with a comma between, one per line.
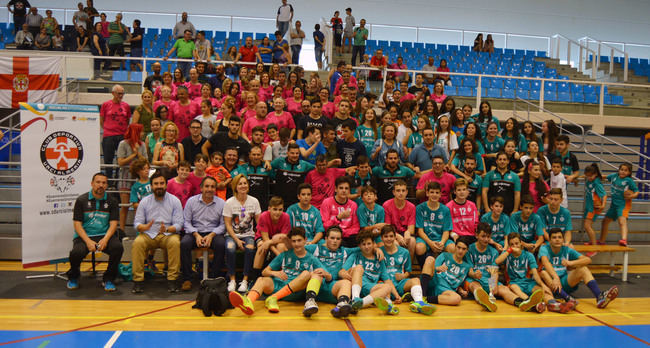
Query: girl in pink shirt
x=266, y=90
x=533, y=184
x=193, y=85
x=206, y=94
x=464, y=215
x=294, y=104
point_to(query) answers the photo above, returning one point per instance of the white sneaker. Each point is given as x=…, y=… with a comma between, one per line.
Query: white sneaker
x=231, y=286
x=243, y=286
x=310, y=307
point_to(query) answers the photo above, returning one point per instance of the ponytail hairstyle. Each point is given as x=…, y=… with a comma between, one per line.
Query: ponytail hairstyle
x=540, y=187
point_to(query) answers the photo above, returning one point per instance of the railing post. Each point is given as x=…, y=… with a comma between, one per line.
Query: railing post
x=568, y=52
x=417, y=35
x=601, y=106
x=506, y=46
x=557, y=49
x=598, y=56
x=541, y=95
x=478, y=91
x=462, y=37
x=593, y=69
x=625, y=65
x=611, y=62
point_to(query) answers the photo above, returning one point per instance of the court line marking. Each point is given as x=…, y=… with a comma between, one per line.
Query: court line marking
x=95, y=325
x=623, y=314
x=113, y=339
x=615, y=328
x=354, y=333
x=36, y=304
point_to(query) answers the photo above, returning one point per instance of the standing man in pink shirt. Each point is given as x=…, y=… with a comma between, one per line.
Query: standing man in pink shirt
x=322, y=180
x=260, y=119
x=401, y=214
x=439, y=175
x=114, y=117
x=341, y=211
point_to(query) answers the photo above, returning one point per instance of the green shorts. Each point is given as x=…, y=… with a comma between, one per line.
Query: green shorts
x=526, y=285
x=420, y=240
x=366, y=287
x=442, y=286
x=617, y=210
x=399, y=285
x=564, y=280
x=484, y=281
x=325, y=293
x=294, y=297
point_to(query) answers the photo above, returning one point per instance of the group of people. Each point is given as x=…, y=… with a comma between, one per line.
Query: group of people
x=340, y=189
x=481, y=45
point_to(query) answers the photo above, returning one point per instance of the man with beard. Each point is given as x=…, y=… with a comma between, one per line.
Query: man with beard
x=158, y=219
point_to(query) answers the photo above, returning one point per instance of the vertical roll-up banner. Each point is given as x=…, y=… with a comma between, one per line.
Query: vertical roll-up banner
x=59, y=155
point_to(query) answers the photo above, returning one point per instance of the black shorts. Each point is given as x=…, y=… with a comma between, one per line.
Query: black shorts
x=337, y=40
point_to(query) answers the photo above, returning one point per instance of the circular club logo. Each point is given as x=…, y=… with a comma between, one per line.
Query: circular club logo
x=21, y=83
x=61, y=153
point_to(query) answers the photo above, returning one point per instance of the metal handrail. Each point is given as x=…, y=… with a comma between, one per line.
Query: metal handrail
x=603, y=150
x=588, y=40
x=581, y=57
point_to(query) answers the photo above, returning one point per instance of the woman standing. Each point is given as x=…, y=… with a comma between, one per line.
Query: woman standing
x=143, y=114
x=130, y=149
x=168, y=152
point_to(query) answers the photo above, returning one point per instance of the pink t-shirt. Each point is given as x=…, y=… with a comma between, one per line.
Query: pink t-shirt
x=181, y=191
x=158, y=93
x=352, y=83
x=438, y=98
x=330, y=208
x=196, y=183
x=446, y=184
x=253, y=122
x=116, y=117
x=213, y=101
x=245, y=115
x=407, y=96
x=183, y=115
x=323, y=184
x=533, y=192
x=283, y=121
x=194, y=90
x=329, y=109
x=265, y=93
x=400, y=218
x=464, y=217
x=294, y=107
x=168, y=104
x=265, y=224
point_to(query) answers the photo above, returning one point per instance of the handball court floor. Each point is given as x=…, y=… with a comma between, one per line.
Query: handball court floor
x=43, y=313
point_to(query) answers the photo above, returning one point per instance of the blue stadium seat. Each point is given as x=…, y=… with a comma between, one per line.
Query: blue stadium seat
x=452, y=48
x=418, y=45
x=152, y=31
x=451, y=91
x=521, y=93
x=382, y=44
x=530, y=53
x=509, y=51
x=260, y=36
x=550, y=86
x=533, y=94
x=496, y=83
x=590, y=89
x=535, y=85
x=523, y=84
x=136, y=76
x=469, y=81
x=464, y=49
x=508, y=94
x=563, y=87
x=395, y=44
x=493, y=93
x=510, y=84
x=407, y=44
x=564, y=96
x=541, y=54
x=634, y=60
x=591, y=98
x=120, y=75
x=617, y=100
x=233, y=38
x=165, y=34
x=456, y=80
x=550, y=95
x=465, y=91
x=577, y=97
x=498, y=51
x=575, y=87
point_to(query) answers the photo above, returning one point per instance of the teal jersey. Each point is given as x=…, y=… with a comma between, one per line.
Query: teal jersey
x=309, y=219
x=500, y=229
x=565, y=253
x=369, y=217
x=475, y=188
x=456, y=272
x=367, y=136
x=139, y=191
x=460, y=162
x=360, y=182
x=414, y=139
x=493, y=146
x=528, y=230
x=374, y=270
x=594, y=190
x=518, y=267
x=561, y=220
x=483, y=125
x=620, y=185
x=433, y=222
x=332, y=260
x=399, y=262
x=293, y=265
x=520, y=141
x=480, y=260
x=479, y=144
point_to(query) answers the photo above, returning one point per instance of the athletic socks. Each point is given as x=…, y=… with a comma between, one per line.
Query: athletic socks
x=368, y=300
x=253, y=295
x=432, y=299
x=416, y=293
x=424, y=283
x=344, y=299
x=593, y=286
x=518, y=301
x=562, y=294
x=312, y=288
x=356, y=290
x=421, y=259
x=285, y=291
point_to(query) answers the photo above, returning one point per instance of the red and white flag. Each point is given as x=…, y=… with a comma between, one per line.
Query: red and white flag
x=28, y=79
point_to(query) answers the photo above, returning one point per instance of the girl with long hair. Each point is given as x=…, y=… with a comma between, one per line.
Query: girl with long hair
x=533, y=184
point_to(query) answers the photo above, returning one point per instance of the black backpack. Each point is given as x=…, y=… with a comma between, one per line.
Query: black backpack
x=213, y=297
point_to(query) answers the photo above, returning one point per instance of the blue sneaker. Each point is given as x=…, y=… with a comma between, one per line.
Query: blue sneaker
x=73, y=284
x=109, y=286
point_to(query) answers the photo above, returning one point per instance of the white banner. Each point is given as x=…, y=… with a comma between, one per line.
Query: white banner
x=60, y=154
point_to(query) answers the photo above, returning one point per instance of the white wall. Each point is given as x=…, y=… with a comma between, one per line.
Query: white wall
x=621, y=20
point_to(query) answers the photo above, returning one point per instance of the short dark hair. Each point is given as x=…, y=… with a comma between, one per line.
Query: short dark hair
x=304, y=186
x=483, y=226
x=157, y=174
x=555, y=191
x=99, y=174
x=342, y=179
x=234, y=118
x=555, y=230
x=527, y=199
x=349, y=124
x=207, y=177
x=333, y=229
x=363, y=160
x=556, y=160
x=293, y=146
x=563, y=138
x=498, y=199
x=388, y=229
x=433, y=185
x=297, y=231
x=363, y=235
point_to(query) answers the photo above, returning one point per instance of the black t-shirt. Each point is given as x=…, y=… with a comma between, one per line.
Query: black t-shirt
x=190, y=149
x=152, y=82
x=137, y=32
x=415, y=89
x=349, y=152
x=215, y=82
x=20, y=7
x=220, y=141
x=308, y=121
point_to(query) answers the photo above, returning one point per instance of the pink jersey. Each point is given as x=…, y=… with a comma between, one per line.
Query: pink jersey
x=116, y=117
x=196, y=183
x=181, y=191
x=250, y=113
x=464, y=217
x=283, y=225
x=285, y=120
x=532, y=189
x=168, y=104
x=194, y=90
x=329, y=109
x=253, y=122
x=323, y=184
x=183, y=115
x=294, y=107
x=265, y=93
x=446, y=182
x=331, y=208
x=158, y=94
x=400, y=218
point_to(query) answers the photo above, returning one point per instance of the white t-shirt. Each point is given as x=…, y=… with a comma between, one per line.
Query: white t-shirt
x=243, y=216
x=295, y=41
x=453, y=143
x=278, y=150
x=284, y=13
x=559, y=181
x=206, y=125
x=401, y=133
